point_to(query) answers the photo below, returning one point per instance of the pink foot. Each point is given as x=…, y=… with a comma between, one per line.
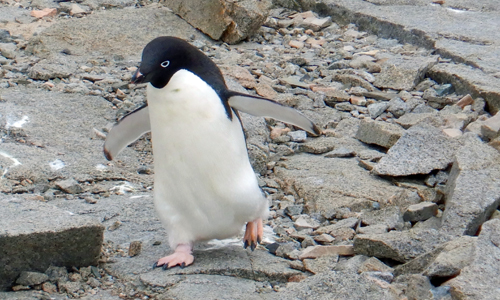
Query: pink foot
x=182, y=257
x=253, y=234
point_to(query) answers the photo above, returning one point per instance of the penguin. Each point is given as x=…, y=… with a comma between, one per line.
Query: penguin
x=204, y=185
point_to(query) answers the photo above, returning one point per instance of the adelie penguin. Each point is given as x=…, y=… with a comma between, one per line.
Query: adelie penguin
x=204, y=185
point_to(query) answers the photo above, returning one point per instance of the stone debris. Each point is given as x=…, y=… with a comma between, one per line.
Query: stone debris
x=320, y=251
x=419, y=151
x=420, y=212
x=379, y=133
x=46, y=12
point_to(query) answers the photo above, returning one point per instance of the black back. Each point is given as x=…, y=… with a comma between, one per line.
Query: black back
x=180, y=55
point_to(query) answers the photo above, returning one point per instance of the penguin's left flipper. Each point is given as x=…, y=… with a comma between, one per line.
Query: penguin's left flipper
x=129, y=129
x=262, y=107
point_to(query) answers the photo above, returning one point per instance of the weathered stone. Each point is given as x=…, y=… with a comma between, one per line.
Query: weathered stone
x=305, y=222
x=316, y=179
x=398, y=245
x=321, y=264
x=377, y=95
x=324, y=238
x=31, y=278
x=315, y=23
x=379, y=133
x=293, y=210
x=242, y=75
x=376, y=109
x=353, y=80
x=319, y=251
x=45, y=70
x=473, y=188
x=231, y=21
x=319, y=145
x=419, y=151
x=340, y=152
x=65, y=239
x=69, y=186
x=295, y=81
x=389, y=216
x=135, y=248
x=345, y=223
x=452, y=259
x=347, y=127
x=490, y=129
x=420, y=212
x=373, y=229
x=477, y=279
x=298, y=136
x=398, y=107
x=417, y=286
x=403, y=72
x=374, y=265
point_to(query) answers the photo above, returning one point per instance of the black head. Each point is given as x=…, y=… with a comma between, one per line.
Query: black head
x=164, y=56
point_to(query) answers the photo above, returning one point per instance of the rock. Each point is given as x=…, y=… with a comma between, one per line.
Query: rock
x=454, y=256
x=46, y=12
x=476, y=280
x=358, y=100
x=316, y=24
x=420, y=212
x=45, y=70
x=298, y=136
x=490, y=129
x=464, y=101
x=348, y=127
x=344, y=106
x=321, y=264
x=417, y=286
x=379, y=133
x=296, y=44
x=376, y=109
x=473, y=188
x=77, y=10
x=378, y=95
x=353, y=80
x=241, y=74
x=305, y=222
x=31, y=278
x=135, y=248
x=403, y=72
x=67, y=240
x=340, y=152
x=374, y=265
x=294, y=210
x=265, y=90
x=410, y=119
x=319, y=145
x=398, y=245
x=295, y=81
x=345, y=223
x=315, y=179
x=419, y=151
x=320, y=251
x=341, y=284
x=324, y=238
x=398, y=107
x=389, y=216
x=232, y=22
x=50, y=288
x=69, y=186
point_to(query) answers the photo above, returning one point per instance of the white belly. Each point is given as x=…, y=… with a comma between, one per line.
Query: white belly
x=205, y=187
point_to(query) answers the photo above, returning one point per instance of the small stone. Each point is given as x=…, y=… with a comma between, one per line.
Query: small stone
x=93, y=282
x=322, y=264
x=46, y=12
x=242, y=75
x=49, y=287
x=298, y=136
x=135, y=248
x=265, y=90
x=75, y=277
x=69, y=186
x=17, y=288
x=420, y=212
x=452, y=132
x=324, y=238
x=316, y=24
x=31, y=278
x=296, y=44
x=490, y=129
x=376, y=109
x=340, y=152
x=114, y=226
x=318, y=145
x=466, y=100
x=373, y=229
x=319, y=251
x=305, y=222
x=358, y=100
x=344, y=106
x=76, y=10
x=379, y=133
x=294, y=210
x=295, y=81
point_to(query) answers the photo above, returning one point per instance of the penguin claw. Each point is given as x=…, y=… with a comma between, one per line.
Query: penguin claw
x=164, y=267
x=253, y=234
x=155, y=265
x=182, y=257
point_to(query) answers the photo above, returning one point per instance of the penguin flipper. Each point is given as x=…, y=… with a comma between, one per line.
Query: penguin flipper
x=262, y=107
x=126, y=131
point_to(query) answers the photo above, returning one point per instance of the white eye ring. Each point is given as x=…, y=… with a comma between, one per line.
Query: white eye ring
x=165, y=64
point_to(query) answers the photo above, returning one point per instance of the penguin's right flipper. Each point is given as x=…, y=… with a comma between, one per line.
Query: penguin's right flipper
x=129, y=129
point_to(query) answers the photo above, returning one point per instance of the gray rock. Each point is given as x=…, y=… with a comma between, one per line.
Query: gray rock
x=376, y=109
x=31, y=278
x=452, y=259
x=398, y=107
x=66, y=240
x=417, y=286
x=50, y=69
x=294, y=210
x=410, y=119
x=473, y=188
x=398, y=245
x=403, y=72
x=420, y=150
x=232, y=22
x=319, y=145
x=340, y=152
x=348, y=127
x=420, y=212
x=378, y=95
x=479, y=279
x=389, y=216
x=344, y=106
x=69, y=186
x=298, y=136
x=344, y=285
x=379, y=133
x=315, y=179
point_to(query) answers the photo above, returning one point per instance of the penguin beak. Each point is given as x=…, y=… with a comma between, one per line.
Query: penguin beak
x=138, y=77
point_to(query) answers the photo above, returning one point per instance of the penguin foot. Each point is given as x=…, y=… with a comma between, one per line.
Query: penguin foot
x=182, y=257
x=253, y=234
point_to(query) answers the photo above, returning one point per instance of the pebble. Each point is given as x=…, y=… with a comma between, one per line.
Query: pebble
x=298, y=136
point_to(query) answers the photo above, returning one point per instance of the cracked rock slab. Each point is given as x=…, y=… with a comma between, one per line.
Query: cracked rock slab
x=420, y=150
x=34, y=236
x=473, y=188
x=379, y=133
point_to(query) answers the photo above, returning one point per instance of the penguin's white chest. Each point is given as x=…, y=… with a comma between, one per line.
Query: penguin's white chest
x=205, y=186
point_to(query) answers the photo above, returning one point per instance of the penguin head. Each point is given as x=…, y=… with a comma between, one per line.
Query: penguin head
x=162, y=58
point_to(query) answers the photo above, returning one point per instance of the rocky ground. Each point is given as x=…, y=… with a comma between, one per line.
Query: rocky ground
x=398, y=199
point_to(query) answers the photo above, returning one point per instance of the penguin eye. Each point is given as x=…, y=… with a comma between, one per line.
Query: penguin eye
x=165, y=64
